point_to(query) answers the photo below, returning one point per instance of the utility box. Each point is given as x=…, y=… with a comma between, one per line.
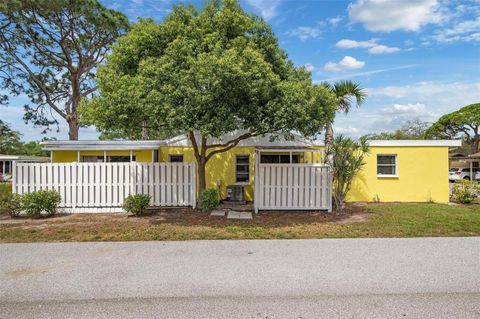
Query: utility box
x=236, y=193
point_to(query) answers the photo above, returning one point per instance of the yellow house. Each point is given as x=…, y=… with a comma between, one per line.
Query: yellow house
x=403, y=171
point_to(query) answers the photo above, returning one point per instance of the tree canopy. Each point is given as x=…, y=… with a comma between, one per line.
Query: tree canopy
x=411, y=130
x=464, y=123
x=49, y=50
x=11, y=144
x=9, y=139
x=206, y=73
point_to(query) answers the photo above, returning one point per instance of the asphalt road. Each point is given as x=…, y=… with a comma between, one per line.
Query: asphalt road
x=344, y=278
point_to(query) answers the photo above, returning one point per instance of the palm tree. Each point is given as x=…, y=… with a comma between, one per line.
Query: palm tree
x=347, y=92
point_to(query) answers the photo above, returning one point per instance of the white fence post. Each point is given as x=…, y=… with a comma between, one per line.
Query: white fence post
x=14, y=176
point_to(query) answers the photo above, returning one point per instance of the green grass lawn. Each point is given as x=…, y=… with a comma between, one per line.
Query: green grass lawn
x=374, y=220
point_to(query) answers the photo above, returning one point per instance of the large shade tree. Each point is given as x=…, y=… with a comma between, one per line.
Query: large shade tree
x=49, y=50
x=206, y=73
x=464, y=123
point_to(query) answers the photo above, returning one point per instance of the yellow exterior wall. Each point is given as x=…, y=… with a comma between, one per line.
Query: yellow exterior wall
x=422, y=171
x=64, y=156
x=219, y=167
x=143, y=156
x=422, y=176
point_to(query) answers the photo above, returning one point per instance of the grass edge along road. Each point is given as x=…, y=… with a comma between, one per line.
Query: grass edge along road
x=368, y=221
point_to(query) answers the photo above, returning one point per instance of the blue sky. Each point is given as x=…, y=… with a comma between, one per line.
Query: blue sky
x=416, y=58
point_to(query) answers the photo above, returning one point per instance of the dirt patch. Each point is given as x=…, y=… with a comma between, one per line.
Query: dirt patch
x=190, y=217
x=175, y=224
x=354, y=218
x=6, y=219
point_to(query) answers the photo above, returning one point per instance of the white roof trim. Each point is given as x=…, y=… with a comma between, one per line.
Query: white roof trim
x=23, y=158
x=257, y=141
x=423, y=143
x=101, y=145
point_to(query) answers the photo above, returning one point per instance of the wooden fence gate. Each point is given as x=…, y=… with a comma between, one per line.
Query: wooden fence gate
x=293, y=187
x=102, y=187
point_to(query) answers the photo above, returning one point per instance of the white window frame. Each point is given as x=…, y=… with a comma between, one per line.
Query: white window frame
x=248, y=165
x=389, y=165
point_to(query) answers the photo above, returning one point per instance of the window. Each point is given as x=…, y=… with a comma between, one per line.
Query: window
x=176, y=158
x=5, y=167
x=155, y=156
x=242, y=172
x=279, y=159
x=91, y=159
x=110, y=159
x=387, y=165
x=120, y=159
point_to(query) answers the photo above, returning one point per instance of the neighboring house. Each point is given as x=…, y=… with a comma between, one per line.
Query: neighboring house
x=458, y=160
x=404, y=171
x=6, y=162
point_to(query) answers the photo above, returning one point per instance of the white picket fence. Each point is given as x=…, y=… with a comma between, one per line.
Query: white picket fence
x=293, y=187
x=102, y=187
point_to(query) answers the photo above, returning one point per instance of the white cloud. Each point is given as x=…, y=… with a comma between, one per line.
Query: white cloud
x=380, y=49
x=466, y=31
x=309, y=67
x=439, y=98
x=432, y=90
x=373, y=46
x=334, y=21
x=358, y=74
x=268, y=8
x=349, y=130
x=388, y=108
x=305, y=33
x=409, y=108
x=347, y=63
x=408, y=15
x=351, y=44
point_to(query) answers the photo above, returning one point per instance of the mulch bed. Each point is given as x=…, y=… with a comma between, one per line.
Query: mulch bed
x=185, y=216
x=190, y=217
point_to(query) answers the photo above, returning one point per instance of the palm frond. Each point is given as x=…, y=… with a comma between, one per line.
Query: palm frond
x=348, y=92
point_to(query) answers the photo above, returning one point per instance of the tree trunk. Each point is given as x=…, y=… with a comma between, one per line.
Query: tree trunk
x=72, y=115
x=328, y=144
x=73, y=127
x=145, y=131
x=202, y=183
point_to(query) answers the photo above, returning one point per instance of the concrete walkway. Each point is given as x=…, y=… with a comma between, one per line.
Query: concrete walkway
x=367, y=278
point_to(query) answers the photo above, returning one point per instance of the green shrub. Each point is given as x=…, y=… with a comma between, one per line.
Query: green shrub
x=136, y=204
x=11, y=204
x=5, y=189
x=209, y=199
x=347, y=159
x=41, y=203
x=465, y=191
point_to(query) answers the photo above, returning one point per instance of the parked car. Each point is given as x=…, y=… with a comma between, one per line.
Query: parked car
x=457, y=174
x=477, y=176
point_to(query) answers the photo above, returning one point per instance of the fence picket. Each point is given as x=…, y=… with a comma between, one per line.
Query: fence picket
x=102, y=187
x=293, y=186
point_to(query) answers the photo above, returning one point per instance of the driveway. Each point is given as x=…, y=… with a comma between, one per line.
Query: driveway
x=344, y=278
